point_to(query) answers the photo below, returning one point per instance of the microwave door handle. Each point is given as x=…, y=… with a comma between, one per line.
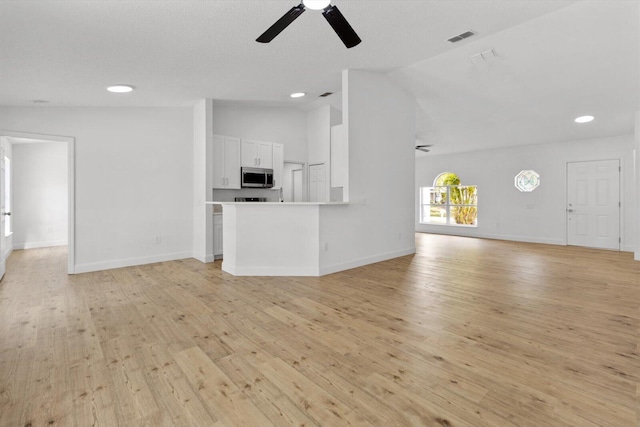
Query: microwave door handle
x=265, y=180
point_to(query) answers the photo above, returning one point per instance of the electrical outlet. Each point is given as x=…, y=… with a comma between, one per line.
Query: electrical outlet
x=326, y=246
x=158, y=240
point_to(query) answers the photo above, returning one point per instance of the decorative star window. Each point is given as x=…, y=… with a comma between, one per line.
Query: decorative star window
x=527, y=180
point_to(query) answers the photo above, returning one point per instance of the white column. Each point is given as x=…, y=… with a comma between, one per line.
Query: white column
x=202, y=180
x=637, y=171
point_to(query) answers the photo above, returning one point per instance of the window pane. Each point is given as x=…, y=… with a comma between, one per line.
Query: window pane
x=437, y=195
x=464, y=215
x=464, y=195
x=449, y=205
x=434, y=214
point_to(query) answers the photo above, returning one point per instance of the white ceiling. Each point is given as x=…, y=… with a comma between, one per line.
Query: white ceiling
x=557, y=58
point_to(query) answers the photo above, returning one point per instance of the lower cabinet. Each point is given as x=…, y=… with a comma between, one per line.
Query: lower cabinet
x=217, y=235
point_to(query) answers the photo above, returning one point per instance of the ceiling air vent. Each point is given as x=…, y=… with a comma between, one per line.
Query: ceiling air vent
x=325, y=94
x=460, y=37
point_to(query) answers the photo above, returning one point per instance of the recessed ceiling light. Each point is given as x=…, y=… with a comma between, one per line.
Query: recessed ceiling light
x=40, y=101
x=297, y=95
x=120, y=88
x=584, y=119
x=316, y=4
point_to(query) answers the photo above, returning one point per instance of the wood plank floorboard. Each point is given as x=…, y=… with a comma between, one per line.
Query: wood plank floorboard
x=466, y=332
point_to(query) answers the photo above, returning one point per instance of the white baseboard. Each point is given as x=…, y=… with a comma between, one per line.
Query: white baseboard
x=463, y=232
x=204, y=258
x=312, y=271
x=334, y=268
x=35, y=245
x=129, y=262
x=270, y=271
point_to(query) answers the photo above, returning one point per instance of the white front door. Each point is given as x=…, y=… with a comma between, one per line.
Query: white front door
x=593, y=204
x=2, y=212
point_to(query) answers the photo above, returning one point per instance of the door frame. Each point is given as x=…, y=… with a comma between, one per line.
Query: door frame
x=620, y=160
x=305, y=174
x=71, y=185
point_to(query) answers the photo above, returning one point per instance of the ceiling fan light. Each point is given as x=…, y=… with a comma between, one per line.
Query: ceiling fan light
x=584, y=119
x=120, y=88
x=316, y=4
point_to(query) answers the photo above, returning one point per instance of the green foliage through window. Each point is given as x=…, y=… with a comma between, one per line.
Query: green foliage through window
x=448, y=202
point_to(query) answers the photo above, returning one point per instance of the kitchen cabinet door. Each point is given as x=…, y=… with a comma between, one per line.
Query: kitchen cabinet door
x=226, y=162
x=232, y=162
x=265, y=155
x=249, y=153
x=217, y=235
x=278, y=165
x=257, y=154
x=218, y=162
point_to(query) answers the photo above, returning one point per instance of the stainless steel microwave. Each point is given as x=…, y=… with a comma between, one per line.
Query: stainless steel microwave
x=256, y=178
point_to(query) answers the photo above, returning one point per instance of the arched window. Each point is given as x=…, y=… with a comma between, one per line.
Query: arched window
x=448, y=202
x=446, y=178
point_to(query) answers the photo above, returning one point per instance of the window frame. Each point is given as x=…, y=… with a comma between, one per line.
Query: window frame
x=447, y=204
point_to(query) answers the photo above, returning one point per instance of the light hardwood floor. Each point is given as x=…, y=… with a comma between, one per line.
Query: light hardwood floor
x=467, y=332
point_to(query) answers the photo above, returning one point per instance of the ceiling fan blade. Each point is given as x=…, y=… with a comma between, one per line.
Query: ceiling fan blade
x=281, y=24
x=341, y=26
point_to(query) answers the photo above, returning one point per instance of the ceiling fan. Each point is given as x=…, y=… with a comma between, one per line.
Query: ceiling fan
x=330, y=13
x=424, y=147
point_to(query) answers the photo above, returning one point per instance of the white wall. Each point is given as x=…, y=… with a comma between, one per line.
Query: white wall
x=637, y=188
x=272, y=124
x=40, y=195
x=539, y=216
x=379, y=224
x=319, y=122
x=134, y=179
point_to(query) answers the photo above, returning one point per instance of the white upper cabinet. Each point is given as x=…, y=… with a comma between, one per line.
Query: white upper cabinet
x=278, y=164
x=226, y=162
x=257, y=154
x=265, y=155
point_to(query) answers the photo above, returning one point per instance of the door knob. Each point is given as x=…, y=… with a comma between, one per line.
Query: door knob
x=6, y=213
x=569, y=210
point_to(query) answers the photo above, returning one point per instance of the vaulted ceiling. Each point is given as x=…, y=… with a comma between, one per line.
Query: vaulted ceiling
x=554, y=59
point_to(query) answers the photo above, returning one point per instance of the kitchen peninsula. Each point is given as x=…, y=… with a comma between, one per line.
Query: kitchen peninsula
x=274, y=239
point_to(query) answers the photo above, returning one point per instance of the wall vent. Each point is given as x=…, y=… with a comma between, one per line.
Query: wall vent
x=325, y=94
x=460, y=37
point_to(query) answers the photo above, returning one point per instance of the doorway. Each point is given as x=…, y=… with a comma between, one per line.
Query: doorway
x=593, y=204
x=27, y=144
x=293, y=186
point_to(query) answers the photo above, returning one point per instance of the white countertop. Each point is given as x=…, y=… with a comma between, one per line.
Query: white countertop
x=277, y=203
